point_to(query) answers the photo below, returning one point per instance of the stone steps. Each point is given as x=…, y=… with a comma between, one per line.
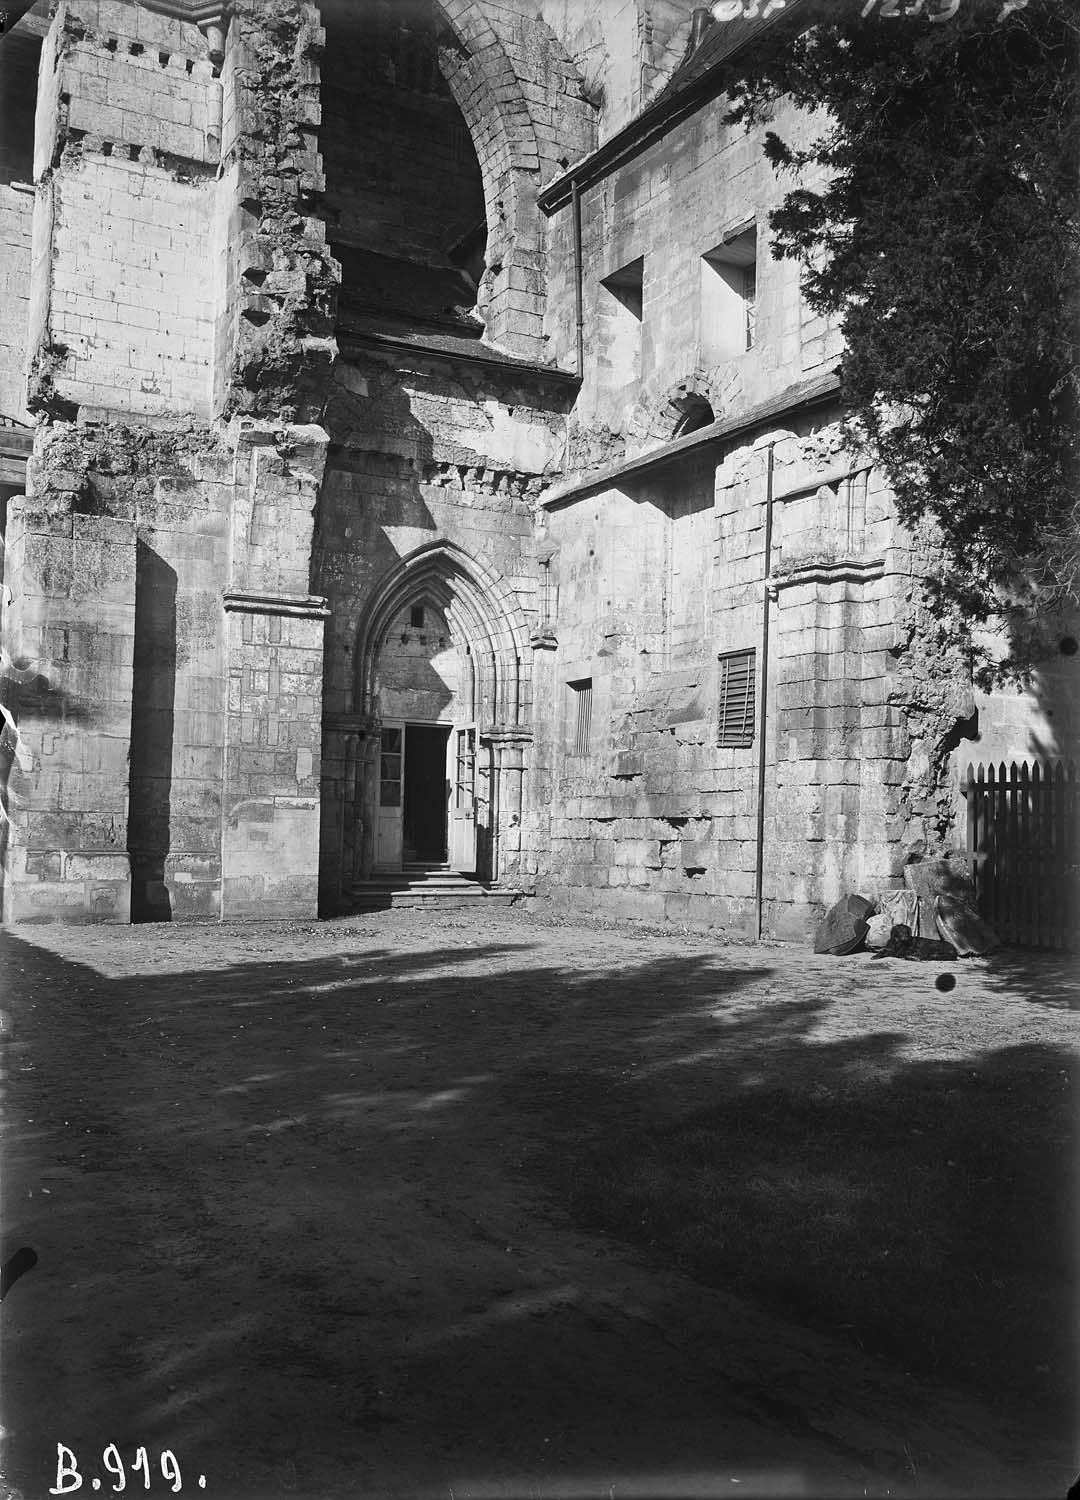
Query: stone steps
x=423, y=886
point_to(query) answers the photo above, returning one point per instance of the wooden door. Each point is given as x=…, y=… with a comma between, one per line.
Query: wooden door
x=391, y=782
x=461, y=774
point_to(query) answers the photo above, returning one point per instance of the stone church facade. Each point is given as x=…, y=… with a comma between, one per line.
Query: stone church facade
x=412, y=453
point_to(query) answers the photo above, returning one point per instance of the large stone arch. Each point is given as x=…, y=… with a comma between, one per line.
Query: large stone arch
x=492, y=88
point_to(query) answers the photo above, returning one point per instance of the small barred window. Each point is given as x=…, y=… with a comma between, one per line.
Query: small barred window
x=581, y=695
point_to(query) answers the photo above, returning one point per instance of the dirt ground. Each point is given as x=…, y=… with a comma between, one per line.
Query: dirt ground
x=296, y=1201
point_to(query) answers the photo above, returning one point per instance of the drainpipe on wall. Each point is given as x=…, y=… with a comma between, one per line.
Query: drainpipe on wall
x=575, y=201
x=763, y=709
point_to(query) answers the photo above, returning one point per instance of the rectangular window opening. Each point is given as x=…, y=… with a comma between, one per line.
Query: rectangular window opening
x=729, y=296
x=735, y=698
x=627, y=286
x=416, y=616
x=618, y=343
x=581, y=701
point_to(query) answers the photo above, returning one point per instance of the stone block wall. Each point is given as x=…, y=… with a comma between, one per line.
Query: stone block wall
x=655, y=583
x=131, y=304
x=72, y=606
x=670, y=206
x=16, y=222
x=271, y=777
x=129, y=113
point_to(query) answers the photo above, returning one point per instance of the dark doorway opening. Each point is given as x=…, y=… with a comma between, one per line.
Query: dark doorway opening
x=151, y=754
x=426, y=793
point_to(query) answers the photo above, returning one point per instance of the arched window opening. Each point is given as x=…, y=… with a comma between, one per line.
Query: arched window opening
x=695, y=413
x=404, y=199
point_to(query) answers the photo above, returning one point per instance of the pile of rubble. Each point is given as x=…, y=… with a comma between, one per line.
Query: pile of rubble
x=932, y=917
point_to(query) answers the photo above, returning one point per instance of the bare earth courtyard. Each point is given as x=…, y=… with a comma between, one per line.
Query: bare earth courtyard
x=477, y=1205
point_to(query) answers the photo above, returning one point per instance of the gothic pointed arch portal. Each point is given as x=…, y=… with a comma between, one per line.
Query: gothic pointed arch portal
x=440, y=651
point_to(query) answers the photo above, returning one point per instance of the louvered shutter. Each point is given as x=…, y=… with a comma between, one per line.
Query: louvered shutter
x=736, y=698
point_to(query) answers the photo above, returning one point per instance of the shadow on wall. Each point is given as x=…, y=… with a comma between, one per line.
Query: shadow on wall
x=152, y=716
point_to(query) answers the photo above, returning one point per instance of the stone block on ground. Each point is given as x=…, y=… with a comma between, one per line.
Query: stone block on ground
x=930, y=878
x=844, y=926
x=960, y=925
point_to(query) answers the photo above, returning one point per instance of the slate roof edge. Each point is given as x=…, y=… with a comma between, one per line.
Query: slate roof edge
x=811, y=393
x=505, y=364
x=655, y=120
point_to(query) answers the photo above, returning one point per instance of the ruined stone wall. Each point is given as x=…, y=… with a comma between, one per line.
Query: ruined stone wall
x=834, y=817
x=19, y=59
x=170, y=655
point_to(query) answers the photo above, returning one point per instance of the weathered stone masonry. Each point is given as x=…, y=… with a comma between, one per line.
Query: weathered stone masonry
x=160, y=561
x=326, y=474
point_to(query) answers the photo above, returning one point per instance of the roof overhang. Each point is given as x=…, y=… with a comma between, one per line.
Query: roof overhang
x=823, y=390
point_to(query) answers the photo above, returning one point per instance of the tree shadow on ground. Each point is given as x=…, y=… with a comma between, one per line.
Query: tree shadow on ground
x=245, y=1182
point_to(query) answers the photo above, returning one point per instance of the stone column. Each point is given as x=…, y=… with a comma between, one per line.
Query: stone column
x=508, y=757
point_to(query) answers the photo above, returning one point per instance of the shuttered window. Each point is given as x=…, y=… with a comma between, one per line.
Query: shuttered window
x=581, y=701
x=736, y=698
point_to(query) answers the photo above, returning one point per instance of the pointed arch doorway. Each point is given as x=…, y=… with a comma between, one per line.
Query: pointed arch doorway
x=440, y=709
x=422, y=699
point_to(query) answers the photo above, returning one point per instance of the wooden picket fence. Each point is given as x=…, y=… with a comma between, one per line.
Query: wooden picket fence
x=1024, y=852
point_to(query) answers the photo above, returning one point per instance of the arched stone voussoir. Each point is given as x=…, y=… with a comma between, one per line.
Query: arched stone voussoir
x=527, y=119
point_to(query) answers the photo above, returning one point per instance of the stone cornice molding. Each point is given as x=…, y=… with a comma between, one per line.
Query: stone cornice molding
x=499, y=736
x=198, y=12
x=346, y=723
x=305, y=607
x=848, y=570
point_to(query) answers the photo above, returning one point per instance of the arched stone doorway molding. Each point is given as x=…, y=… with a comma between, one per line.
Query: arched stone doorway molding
x=489, y=631
x=483, y=616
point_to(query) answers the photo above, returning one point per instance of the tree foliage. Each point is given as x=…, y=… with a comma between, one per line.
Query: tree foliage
x=935, y=215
